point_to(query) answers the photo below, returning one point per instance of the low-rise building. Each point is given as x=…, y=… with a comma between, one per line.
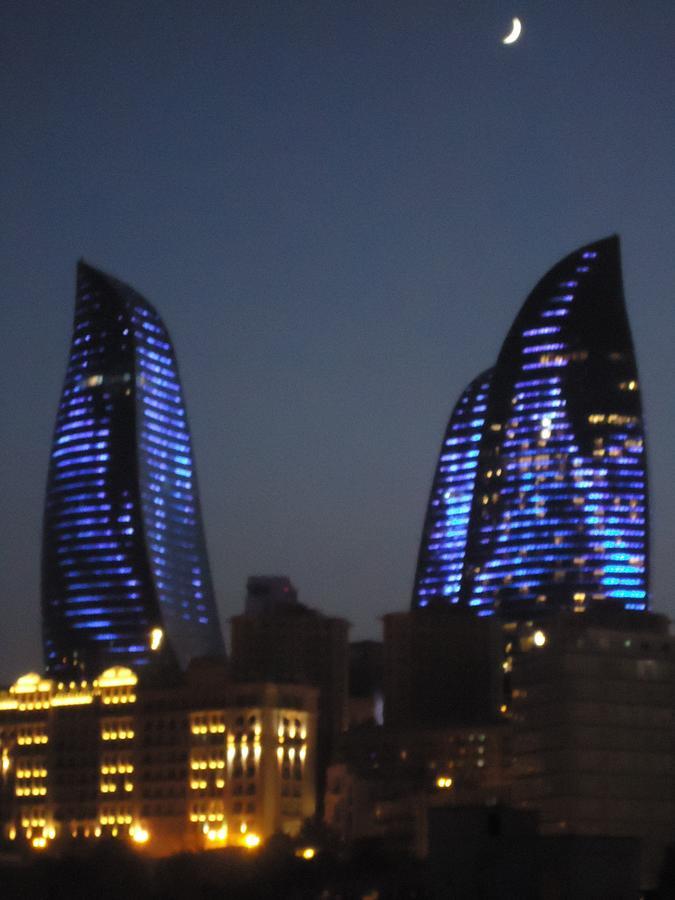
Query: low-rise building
x=198, y=763
x=386, y=779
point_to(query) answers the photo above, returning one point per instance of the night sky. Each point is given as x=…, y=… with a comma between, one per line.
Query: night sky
x=338, y=209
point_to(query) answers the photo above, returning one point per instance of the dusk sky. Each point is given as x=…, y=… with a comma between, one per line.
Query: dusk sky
x=338, y=209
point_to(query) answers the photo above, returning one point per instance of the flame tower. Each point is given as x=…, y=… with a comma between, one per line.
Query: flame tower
x=554, y=455
x=125, y=573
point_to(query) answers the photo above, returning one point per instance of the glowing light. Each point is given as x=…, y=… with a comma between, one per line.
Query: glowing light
x=31, y=683
x=539, y=638
x=444, y=782
x=514, y=34
x=139, y=835
x=117, y=676
x=216, y=835
x=79, y=699
x=251, y=840
x=306, y=852
x=156, y=638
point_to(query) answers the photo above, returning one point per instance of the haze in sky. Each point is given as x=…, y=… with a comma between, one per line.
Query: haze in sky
x=338, y=209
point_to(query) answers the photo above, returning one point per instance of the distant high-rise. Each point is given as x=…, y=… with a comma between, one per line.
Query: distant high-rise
x=540, y=496
x=125, y=573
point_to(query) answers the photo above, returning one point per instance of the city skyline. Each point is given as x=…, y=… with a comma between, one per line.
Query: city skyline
x=540, y=495
x=125, y=573
x=337, y=211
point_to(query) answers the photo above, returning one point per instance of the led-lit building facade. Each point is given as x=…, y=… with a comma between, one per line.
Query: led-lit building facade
x=196, y=765
x=441, y=557
x=125, y=570
x=553, y=456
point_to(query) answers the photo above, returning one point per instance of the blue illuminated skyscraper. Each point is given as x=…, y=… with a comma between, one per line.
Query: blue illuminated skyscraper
x=125, y=573
x=441, y=559
x=558, y=511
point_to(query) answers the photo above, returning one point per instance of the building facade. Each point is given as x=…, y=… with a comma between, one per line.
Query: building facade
x=540, y=496
x=593, y=704
x=196, y=765
x=440, y=564
x=286, y=642
x=125, y=574
x=385, y=780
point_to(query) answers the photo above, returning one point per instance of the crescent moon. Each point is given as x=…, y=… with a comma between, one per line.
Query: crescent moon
x=512, y=37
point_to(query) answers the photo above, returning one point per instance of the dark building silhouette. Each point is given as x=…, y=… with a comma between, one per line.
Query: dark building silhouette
x=593, y=745
x=269, y=593
x=125, y=573
x=366, y=697
x=384, y=781
x=540, y=496
x=442, y=667
x=495, y=852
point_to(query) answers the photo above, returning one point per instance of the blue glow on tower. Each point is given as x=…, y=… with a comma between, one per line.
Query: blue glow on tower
x=441, y=560
x=123, y=547
x=559, y=507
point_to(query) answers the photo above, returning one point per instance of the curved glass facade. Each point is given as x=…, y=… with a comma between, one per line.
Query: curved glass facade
x=125, y=571
x=559, y=507
x=441, y=558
